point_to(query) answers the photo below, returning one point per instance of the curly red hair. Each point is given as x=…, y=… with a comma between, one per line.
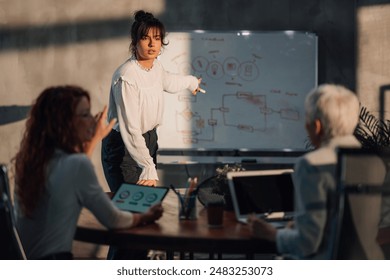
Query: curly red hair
x=50, y=126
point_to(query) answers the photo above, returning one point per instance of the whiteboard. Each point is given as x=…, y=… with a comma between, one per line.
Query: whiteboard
x=256, y=84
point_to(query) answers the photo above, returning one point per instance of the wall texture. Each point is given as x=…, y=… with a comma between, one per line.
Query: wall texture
x=373, y=58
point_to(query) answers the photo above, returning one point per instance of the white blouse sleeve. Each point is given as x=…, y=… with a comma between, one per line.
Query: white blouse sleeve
x=175, y=82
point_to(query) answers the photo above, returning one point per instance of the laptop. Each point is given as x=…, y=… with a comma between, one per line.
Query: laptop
x=269, y=194
x=138, y=199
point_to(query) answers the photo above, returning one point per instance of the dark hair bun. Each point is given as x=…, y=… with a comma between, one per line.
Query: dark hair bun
x=143, y=16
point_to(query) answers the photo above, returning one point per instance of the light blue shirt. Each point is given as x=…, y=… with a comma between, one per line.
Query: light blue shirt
x=314, y=177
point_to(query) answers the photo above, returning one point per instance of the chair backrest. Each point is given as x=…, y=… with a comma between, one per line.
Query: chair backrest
x=10, y=244
x=362, y=192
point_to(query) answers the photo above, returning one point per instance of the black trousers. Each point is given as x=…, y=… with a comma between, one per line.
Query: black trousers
x=119, y=167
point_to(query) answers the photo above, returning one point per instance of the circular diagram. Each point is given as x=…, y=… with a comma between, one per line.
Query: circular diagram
x=124, y=194
x=215, y=70
x=200, y=64
x=230, y=66
x=138, y=196
x=248, y=71
x=151, y=197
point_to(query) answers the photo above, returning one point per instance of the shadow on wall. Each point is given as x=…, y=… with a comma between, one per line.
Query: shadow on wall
x=41, y=36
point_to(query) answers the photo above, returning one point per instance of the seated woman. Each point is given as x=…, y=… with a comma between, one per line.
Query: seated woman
x=55, y=179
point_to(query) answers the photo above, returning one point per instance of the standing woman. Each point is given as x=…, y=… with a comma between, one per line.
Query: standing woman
x=136, y=100
x=55, y=178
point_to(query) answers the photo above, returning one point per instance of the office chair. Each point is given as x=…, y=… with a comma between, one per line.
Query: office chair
x=10, y=244
x=363, y=188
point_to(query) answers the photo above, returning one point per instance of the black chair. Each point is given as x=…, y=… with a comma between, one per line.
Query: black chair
x=11, y=247
x=362, y=191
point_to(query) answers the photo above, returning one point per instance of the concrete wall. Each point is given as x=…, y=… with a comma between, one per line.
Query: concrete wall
x=45, y=42
x=373, y=57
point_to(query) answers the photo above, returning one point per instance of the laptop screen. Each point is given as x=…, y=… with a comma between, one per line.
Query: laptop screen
x=262, y=192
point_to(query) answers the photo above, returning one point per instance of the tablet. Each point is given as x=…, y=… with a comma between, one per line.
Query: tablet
x=138, y=199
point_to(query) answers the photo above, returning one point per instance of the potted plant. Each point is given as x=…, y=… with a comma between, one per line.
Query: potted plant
x=372, y=133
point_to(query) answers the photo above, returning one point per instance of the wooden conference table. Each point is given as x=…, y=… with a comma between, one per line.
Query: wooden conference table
x=173, y=235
